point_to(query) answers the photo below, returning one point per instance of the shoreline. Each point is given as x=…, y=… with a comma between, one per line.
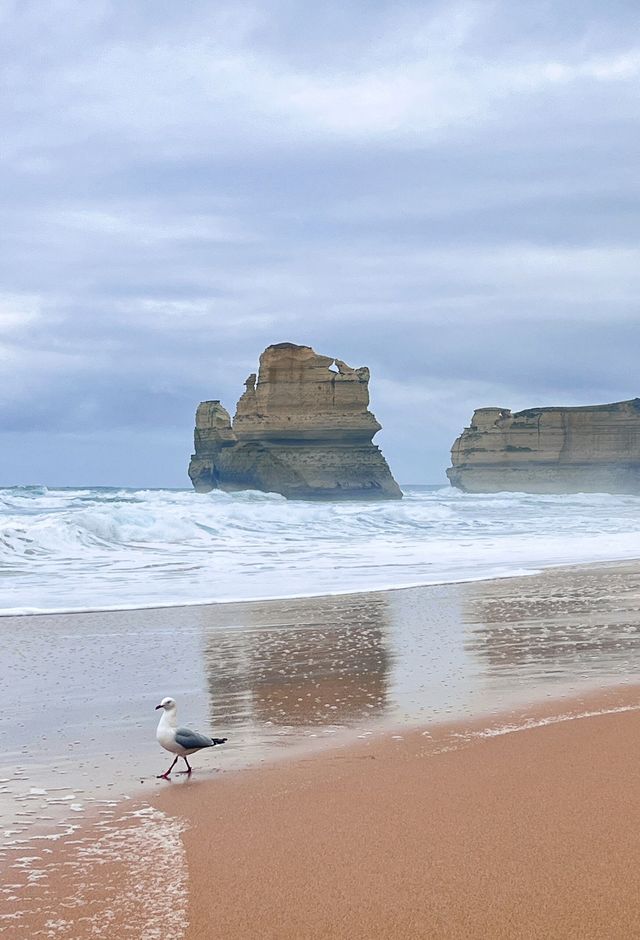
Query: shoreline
x=448, y=831
x=290, y=678
x=456, y=829
x=355, y=592
x=334, y=707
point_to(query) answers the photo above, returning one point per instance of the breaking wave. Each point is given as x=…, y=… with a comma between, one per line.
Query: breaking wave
x=72, y=549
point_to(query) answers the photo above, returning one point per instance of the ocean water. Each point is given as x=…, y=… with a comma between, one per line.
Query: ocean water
x=278, y=678
x=94, y=549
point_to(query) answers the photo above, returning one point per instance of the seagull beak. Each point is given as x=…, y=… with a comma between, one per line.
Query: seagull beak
x=157, y=707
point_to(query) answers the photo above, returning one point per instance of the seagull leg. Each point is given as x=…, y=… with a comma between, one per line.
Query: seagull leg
x=189, y=767
x=165, y=776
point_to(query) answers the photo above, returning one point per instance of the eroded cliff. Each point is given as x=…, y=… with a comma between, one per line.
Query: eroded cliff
x=302, y=428
x=550, y=450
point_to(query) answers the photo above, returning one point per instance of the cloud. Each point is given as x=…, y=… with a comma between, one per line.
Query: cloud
x=208, y=80
x=446, y=192
x=17, y=311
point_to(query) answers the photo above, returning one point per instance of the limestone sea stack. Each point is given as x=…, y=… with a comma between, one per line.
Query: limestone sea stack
x=592, y=449
x=302, y=428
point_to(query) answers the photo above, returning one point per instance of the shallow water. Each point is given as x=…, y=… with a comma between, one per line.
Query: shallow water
x=101, y=548
x=77, y=715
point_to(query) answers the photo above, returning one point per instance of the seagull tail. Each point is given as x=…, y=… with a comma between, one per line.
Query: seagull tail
x=218, y=741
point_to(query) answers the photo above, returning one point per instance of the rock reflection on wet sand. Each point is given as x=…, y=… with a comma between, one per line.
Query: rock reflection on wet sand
x=296, y=666
x=559, y=625
x=77, y=704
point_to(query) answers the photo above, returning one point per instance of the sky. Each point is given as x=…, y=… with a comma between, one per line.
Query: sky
x=446, y=192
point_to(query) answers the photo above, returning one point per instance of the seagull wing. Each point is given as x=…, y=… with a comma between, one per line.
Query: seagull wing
x=192, y=740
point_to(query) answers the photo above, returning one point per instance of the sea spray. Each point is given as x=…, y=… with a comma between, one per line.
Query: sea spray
x=74, y=549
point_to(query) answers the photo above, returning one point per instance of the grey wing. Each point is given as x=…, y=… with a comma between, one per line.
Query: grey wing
x=191, y=740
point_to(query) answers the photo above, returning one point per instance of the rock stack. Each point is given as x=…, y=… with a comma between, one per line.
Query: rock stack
x=302, y=428
x=590, y=449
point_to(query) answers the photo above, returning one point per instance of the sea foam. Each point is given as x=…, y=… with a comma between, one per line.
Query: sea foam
x=86, y=549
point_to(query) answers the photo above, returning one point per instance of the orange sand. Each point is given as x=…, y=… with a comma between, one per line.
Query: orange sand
x=533, y=834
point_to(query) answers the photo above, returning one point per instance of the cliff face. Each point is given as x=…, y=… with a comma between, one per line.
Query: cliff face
x=302, y=428
x=550, y=450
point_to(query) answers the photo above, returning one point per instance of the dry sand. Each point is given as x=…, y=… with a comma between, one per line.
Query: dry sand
x=528, y=834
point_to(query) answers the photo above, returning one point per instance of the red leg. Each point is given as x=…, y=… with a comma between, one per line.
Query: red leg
x=189, y=767
x=165, y=776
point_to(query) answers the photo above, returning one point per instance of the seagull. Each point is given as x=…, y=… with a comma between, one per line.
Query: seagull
x=179, y=741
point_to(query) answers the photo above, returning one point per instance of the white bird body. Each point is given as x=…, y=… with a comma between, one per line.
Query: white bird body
x=179, y=741
x=166, y=732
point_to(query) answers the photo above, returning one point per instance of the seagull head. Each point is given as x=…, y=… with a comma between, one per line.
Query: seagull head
x=167, y=703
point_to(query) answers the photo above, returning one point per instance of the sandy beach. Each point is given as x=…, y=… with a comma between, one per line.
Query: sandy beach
x=525, y=827
x=530, y=834
x=449, y=761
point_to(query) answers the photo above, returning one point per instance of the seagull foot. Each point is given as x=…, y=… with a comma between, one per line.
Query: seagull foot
x=187, y=772
x=163, y=777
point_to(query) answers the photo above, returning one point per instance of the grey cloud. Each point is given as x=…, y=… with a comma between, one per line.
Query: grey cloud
x=445, y=192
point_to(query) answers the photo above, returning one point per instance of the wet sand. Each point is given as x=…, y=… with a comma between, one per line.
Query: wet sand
x=523, y=835
x=287, y=681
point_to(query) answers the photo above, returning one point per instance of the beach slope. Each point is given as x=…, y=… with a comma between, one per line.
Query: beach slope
x=528, y=834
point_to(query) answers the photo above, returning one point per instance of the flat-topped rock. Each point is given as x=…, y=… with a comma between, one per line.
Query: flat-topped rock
x=299, y=395
x=595, y=448
x=302, y=428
